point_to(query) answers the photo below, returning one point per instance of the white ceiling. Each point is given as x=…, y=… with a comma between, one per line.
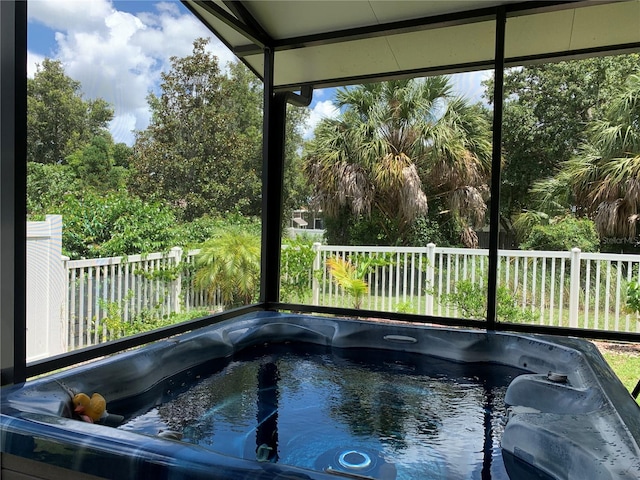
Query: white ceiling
x=436, y=36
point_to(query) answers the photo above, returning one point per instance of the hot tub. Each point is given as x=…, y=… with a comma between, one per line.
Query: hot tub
x=518, y=406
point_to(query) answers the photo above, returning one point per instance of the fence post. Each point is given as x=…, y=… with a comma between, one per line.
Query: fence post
x=176, y=284
x=315, y=284
x=431, y=261
x=68, y=329
x=46, y=330
x=574, y=288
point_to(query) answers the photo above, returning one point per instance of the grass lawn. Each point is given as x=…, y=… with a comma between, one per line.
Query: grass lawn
x=624, y=359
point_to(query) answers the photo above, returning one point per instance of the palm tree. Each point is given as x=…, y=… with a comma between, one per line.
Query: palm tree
x=603, y=180
x=613, y=182
x=230, y=263
x=397, y=144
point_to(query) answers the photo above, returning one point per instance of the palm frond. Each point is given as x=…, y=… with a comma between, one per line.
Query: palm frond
x=469, y=237
x=467, y=203
x=526, y=220
x=346, y=275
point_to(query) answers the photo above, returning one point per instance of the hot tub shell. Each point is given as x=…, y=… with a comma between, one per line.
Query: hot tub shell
x=577, y=423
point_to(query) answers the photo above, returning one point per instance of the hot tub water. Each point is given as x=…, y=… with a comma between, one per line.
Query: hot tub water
x=368, y=413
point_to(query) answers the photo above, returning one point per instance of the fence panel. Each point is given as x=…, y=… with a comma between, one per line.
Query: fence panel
x=584, y=290
x=118, y=287
x=567, y=289
x=194, y=298
x=596, y=293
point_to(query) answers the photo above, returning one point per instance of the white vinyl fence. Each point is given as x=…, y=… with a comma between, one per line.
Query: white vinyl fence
x=128, y=287
x=46, y=317
x=573, y=289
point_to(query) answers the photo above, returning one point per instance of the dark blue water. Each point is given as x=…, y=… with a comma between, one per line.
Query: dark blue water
x=372, y=413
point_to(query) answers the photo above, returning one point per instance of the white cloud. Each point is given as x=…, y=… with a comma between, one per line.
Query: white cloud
x=33, y=60
x=118, y=55
x=468, y=84
x=322, y=109
x=62, y=14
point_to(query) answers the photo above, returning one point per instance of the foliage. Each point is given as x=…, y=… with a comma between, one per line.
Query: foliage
x=633, y=297
x=230, y=263
x=563, y=234
x=146, y=320
x=95, y=167
x=546, y=108
x=508, y=310
x=350, y=273
x=405, y=307
x=350, y=278
x=426, y=230
x=193, y=154
x=296, y=269
x=344, y=228
x=605, y=175
x=202, y=152
x=601, y=181
x=114, y=224
x=47, y=186
x=296, y=191
x=59, y=121
x=393, y=145
x=193, y=234
x=471, y=300
x=121, y=154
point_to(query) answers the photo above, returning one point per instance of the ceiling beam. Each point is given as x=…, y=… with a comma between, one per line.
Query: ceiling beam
x=240, y=11
x=257, y=37
x=405, y=26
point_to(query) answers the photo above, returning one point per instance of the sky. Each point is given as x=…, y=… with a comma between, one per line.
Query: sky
x=117, y=49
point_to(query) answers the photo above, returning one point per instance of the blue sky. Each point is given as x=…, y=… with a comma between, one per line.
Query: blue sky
x=117, y=49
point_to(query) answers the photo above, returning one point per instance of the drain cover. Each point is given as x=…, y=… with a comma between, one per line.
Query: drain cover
x=355, y=460
x=356, y=463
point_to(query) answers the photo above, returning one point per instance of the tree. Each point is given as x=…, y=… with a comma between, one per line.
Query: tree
x=201, y=152
x=395, y=146
x=602, y=181
x=296, y=191
x=121, y=154
x=59, y=121
x=94, y=165
x=47, y=187
x=546, y=108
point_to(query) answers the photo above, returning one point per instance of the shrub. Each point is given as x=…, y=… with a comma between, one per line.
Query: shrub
x=563, y=234
x=296, y=269
x=114, y=224
x=145, y=321
x=47, y=186
x=350, y=278
x=230, y=263
x=199, y=230
x=633, y=297
x=471, y=299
